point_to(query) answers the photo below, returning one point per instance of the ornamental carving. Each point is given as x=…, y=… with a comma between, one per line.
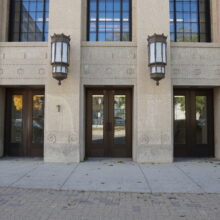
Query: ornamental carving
x=145, y=139
x=72, y=138
x=132, y=55
x=197, y=72
x=130, y=71
x=108, y=70
x=86, y=69
x=51, y=138
x=217, y=72
x=41, y=71
x=20, y=72
x=176, y=71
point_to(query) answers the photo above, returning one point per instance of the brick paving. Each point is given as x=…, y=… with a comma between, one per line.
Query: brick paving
x=48, y=204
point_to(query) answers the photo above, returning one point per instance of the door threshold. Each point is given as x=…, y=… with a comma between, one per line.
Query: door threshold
x=108, y=159
x=194, y=159
x=11, y=158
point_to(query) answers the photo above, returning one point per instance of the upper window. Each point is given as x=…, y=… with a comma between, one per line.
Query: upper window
x=190, y=20
x=109, y=20
x=29, y=20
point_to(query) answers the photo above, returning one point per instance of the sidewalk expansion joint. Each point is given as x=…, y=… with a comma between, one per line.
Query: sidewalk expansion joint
x=146, y=180
x=34, y=168
x=190, y=178
x=68, y=177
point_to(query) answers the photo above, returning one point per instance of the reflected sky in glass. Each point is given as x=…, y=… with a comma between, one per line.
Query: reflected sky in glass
x=187, y=20
x=109, y=20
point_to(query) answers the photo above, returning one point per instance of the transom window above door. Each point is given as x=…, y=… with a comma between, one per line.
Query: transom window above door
x=29, y=20
x=190, y=20
x=109, y=20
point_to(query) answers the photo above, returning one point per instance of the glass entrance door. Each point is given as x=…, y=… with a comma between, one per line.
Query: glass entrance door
x=24, y=132
x=193, y=123
x=108, y=126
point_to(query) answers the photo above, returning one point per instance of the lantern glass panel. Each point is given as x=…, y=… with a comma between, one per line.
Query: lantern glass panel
x=65, y=48
x=58, y=52
x=58, y=69
x=152, y=53
x=159, y=52
x=164, y=53
x=153, y=70
x=53, y=53
x=63, y=69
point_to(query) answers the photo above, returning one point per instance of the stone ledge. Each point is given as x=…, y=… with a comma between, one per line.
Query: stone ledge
x=194, y=45
x=108, y=44
x=23, y=44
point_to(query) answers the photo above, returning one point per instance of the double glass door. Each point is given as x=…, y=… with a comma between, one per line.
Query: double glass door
x=24, y=134
x=108, y=123
x=193, y=123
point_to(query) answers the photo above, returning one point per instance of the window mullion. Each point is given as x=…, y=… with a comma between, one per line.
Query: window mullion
x=105, y=18
x=44, y=18
x=175, y=32
x=97, y=20
x=121, y=19
x=20, y=19
x=198, y=9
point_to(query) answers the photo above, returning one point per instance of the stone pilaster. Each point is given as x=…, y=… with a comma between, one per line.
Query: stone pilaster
x=154, y=103
x=62, y=128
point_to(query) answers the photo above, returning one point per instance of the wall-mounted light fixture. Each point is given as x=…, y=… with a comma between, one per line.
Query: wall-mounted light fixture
x=157, y=54
x=60, y=56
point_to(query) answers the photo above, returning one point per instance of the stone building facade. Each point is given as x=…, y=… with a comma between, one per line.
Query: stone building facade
x=163, y=119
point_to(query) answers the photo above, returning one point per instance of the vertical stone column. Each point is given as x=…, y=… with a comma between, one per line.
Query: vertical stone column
x=217, y=121
x=1, y=19
x=2, y=120
x=62, y=128
x=215, y=20
x=154, y=103
x=4, y=20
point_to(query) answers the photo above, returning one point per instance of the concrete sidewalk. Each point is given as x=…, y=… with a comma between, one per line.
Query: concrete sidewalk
x=120, y=175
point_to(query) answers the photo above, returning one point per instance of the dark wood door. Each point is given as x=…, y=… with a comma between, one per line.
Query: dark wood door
x=108, y=123
x=24, y=133
x=193, y=123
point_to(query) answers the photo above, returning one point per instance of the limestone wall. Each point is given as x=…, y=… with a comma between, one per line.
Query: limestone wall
x=62, y=143
x=215, y=20
x=108, y=61
x=195, y=64
x=154, y=103
x=23, y=63
x=4, y=19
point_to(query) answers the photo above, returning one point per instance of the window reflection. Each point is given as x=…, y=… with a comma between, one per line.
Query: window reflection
x=109, y=20
x=120, y=119
x=38, y=119
x=16, y=118
x=97, y=119
x=189, y=20
x=201, y=120
x=179, y=119
x=29, y=20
